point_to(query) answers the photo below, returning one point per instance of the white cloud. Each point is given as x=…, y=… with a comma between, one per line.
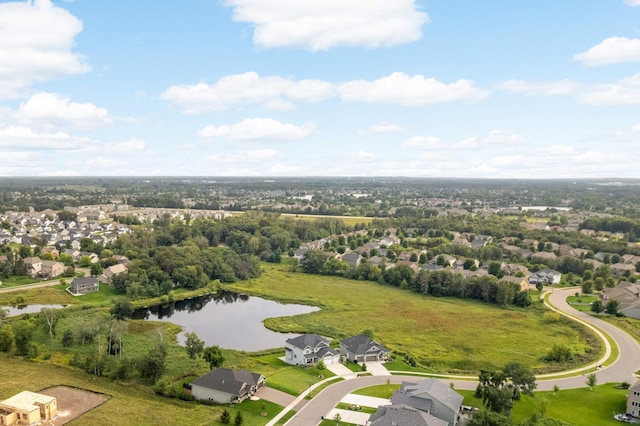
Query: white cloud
x=52, y=109
x=258, y=129
x=402, y=89
x=365, y=157
x=557, y=150
x=419, y=143
x=539, y=88
x=17, y=138
x=381, y=128
x=495, y=137
x=132, y=145
x=35, y=45
x=258, y=155
x=623, y=92
x=249, y=88
x=324, y=24
x=632, y=2
x=502, y=137
x=613, y=50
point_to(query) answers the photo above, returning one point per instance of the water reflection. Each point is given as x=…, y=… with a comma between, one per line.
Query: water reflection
x=227, y=319
x=27, y=309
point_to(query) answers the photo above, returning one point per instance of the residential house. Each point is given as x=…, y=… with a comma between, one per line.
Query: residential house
x=28, y=408
x=620, y=269
x=545, y=276
x=353, y=259
x=431, y=396
x=308, y=349
x=111, y=271
x=54, y=252
x=446, y=258
x=521, y=282
x=299, y=254
x=33, y=264
x=412, y=265
x=633, y=399
x=400, y=414
x=51, y=269
x=224, y=386
x=362, y=348
x=628, y=296
x=84, y=285
x=547, y=255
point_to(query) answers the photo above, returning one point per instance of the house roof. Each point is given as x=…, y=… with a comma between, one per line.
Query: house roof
x=84, y=281
x=227, y=380
x=361, y=344
x=27, y=401
x=304, y=340
x=399, y=414
x=416, y=394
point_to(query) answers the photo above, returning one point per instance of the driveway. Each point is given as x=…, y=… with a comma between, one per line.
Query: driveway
x=349, y=416
x=340, y=370
x=364, y=401
x=376, y=368
x=275, y=396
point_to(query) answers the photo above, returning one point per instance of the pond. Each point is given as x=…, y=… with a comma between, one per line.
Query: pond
x=229, y=320
x=27, y=309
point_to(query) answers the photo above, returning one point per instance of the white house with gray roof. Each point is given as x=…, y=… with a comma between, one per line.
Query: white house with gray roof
x=309, y=349
x=431, y=396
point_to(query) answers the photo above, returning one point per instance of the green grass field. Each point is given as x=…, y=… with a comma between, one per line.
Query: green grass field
x=443, y=334
x=578, y=407
x=348, y=220
x=17, y=280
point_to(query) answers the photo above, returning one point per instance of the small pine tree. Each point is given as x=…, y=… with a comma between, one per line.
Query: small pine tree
x=239, y=420
x=225, y=417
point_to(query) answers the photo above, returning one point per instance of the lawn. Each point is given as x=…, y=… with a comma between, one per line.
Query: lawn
x=17, y=280
x=578, y=407
x=583, y=302
x=442, y=334
x=347, y=220
x=379, y=391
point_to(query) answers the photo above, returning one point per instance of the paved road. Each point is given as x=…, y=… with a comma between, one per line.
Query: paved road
x=48, y=283
x=310, y=412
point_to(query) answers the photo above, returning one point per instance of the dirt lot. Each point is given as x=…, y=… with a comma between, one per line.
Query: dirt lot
x=72, y=403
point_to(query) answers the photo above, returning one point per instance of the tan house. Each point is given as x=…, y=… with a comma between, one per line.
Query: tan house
x=51, y=269
x=521, y=282
x=34, y=265
x=27, y=408
x=633, y=400
x=111, y=271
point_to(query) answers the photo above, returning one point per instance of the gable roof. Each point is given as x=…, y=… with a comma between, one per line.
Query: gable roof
x=227, y=380
x=304, y=340
x=361, y=344
x=84, y=281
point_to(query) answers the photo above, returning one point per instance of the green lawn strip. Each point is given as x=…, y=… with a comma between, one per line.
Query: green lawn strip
x=55, y=295
x=329, y=422
x=355, y=367
x=363, y=409
x=578, y=407
x=378, y=391
x=323, y=386
x=399, y=365
x=284, y=419
x=485, y=336
x=18, y=280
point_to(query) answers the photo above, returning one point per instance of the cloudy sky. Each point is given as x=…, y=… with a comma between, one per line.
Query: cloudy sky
x=443, y=88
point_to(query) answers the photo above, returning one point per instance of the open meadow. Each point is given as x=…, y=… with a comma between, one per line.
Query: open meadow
x=443, y=334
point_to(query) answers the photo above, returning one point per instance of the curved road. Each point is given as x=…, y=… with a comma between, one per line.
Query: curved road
x=623, y=369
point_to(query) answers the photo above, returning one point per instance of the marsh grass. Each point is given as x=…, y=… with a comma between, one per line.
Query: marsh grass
x=442, y=334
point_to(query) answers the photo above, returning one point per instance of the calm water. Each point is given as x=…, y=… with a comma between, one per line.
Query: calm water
x=27, y=309
x=229, y=320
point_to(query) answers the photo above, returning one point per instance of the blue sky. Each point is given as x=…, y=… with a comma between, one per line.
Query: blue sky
x=448, y=88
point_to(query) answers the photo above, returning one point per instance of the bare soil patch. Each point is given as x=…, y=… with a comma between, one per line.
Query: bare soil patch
x=73, y=402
